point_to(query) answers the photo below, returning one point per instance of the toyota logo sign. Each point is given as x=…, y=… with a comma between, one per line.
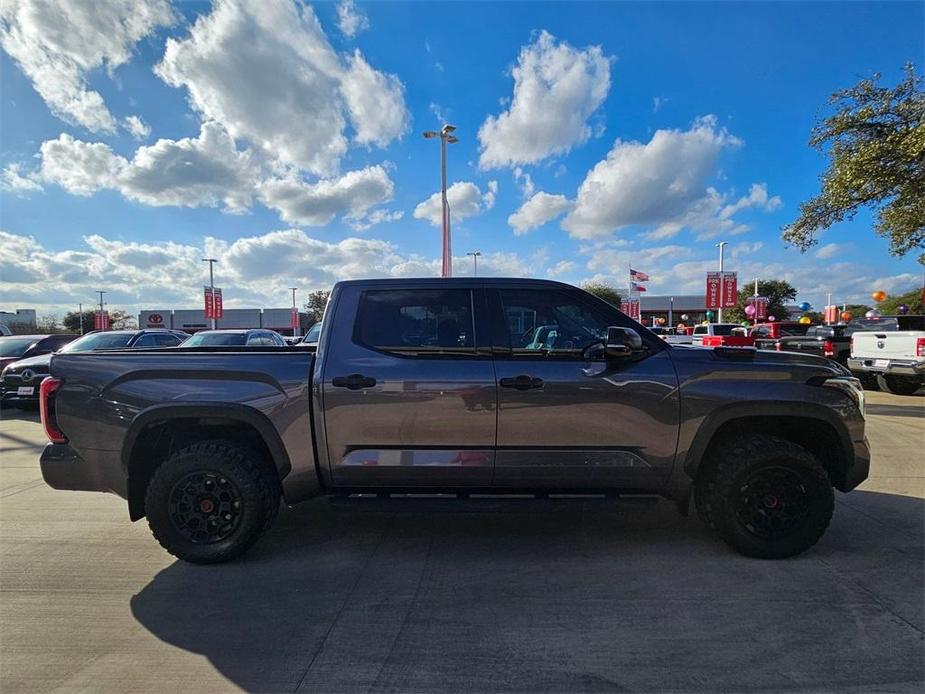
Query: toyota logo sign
x=155, y=319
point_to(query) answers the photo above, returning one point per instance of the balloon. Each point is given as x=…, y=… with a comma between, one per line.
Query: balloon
x=746, y=323
x=681, y=326
x=903, y=309
x=661, y=321
x=706, y=322
x=709, y=314
x=805, y=320
x=771, y=319
x=684, y=316
x=873, y=314
x=750, y=310
x=878, y=295
x=846, y=316
x=805, y=306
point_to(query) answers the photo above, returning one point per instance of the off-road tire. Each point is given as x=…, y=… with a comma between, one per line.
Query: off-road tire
x=899, y=385
x=254, y=482
x=722, y=487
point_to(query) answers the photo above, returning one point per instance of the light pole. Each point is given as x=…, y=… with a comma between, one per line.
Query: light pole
x=80, y=314
x=101, y=292
x=211, y=261
x=295, y=315
x=446, y=136
x=475, y=262
x=722, y=282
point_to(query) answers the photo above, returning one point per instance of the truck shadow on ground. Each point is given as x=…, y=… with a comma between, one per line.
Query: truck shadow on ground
x=554, y=596
x=911, y=410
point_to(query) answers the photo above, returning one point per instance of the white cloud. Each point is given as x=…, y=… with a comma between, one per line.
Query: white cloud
x=830, y=250
x=267, y=72
x=58, y=44
x=376, y=217
x=350, y=20
x=662, y=185
x=542, y=207
x=189, y=172
x=137, y=127
x=13, y=181
x=465, y=200
x=562, y=267
x=556, y=89
x=316, y=204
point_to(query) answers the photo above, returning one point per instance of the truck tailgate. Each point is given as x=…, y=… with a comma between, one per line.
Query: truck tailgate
x=885, y=345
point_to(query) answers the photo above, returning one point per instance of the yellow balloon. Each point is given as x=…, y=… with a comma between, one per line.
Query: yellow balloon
x=805, y=320
x=878, y=295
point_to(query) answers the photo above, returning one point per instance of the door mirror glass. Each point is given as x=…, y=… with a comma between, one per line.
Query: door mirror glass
x=622, y=343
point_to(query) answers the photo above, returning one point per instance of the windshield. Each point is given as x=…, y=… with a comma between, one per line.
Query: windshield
x=212, y=339
x=724, y=329
x=98, y=341
x=313, y=333
x=15, y=346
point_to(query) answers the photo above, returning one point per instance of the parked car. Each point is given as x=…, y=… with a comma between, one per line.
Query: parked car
x=717, y=330
x=4, y=330
x=438, y=385
x=236, y=338
x=19, y=381
x=16, y=347
x=830, y=341
x=892, y=350
x=767, y=335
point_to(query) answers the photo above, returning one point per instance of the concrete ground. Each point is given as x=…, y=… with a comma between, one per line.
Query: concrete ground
x=476, y=596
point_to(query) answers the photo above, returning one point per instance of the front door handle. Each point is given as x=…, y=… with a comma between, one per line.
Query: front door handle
x=522, y=382
x=353, y=382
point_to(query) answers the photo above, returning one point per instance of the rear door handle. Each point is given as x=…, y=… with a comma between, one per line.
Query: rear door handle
x=522, y=382
x=353, y=382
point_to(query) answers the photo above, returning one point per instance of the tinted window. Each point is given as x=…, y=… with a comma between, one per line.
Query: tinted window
x=700, y=330
x=145, y=341
x=215, y=339
x=99, y=341
x=794, y=330
x=761, y=332
x=162, y=340
x=14, y=346
x=724, y=329
x=550, y=323
x=417, y=321
x=313, y=333
x=262, y=340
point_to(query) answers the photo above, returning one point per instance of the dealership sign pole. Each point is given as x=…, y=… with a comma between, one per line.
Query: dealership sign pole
x=210, y=293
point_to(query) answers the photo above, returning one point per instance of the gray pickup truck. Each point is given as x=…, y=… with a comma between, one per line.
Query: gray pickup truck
x=459, y=386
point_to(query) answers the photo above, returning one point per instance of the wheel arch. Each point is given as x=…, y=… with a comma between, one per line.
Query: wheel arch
x=815, y=427
x=158, y=431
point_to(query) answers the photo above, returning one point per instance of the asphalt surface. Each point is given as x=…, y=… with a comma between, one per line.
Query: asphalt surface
x=476, y=596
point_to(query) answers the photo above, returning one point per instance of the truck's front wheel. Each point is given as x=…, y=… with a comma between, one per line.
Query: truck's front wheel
x=899, y=385
x=767, y=497
x=209, y=502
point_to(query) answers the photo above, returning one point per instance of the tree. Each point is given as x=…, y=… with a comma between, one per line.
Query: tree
x=875, y=142
x=72, y=321
x=912, y=299
x=317, y=300
x=121, y=320
x=779, y=294
x=603, y=291
x=47, y=324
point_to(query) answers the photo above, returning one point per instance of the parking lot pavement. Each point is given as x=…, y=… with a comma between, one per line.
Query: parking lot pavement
x=480, y=596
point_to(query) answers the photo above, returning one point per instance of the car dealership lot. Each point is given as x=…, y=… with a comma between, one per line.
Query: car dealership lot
x=435, y=595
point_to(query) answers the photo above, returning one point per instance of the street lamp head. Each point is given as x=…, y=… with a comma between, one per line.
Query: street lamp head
x=447, y=128
x=452, y=139
x=430, y=133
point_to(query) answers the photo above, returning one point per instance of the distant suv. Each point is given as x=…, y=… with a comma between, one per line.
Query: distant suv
x=716, y=329
x=236, y=338
x=20, y=380
x=768, y=335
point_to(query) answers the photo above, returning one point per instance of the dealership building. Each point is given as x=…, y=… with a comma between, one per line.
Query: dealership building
x=194, y=320
x=671, y=308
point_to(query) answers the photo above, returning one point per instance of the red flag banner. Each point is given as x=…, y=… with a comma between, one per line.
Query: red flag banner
x=101, y=320
x=209, y=302
x=831, y=314
x=294, y=323
x=714, y=290
x=730, y=290
x=217, y=306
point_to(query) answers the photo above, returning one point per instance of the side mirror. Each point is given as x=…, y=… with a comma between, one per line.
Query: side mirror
x=622, y=343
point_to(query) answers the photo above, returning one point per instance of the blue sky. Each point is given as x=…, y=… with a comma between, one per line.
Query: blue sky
x=285, y=139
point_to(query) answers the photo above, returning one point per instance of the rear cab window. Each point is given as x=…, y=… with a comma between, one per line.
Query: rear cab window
x=417, y=322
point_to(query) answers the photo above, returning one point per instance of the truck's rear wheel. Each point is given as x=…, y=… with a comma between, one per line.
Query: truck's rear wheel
x=899, y=385
x=209, y=502
x=767, y=497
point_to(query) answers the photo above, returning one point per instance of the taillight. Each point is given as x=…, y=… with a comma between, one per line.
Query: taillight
x=47, y=408
x=828, y=349
x=779, y=347
x=920, y=346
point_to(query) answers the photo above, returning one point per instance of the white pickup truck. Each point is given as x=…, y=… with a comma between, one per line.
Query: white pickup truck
x=891, y=349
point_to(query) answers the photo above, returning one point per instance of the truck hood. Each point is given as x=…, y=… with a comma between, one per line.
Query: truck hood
x=736, y=357
x=39, y=363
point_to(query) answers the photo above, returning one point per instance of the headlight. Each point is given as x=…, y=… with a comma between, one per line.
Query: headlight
x=850, y=386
